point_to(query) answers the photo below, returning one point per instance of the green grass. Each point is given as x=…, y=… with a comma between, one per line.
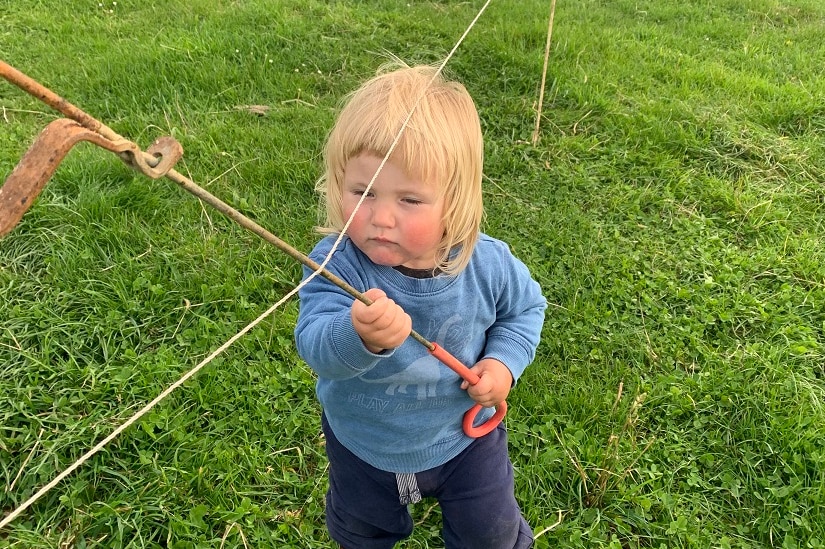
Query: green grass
x=672, y=212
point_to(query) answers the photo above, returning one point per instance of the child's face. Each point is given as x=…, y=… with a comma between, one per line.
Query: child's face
x=400, y=221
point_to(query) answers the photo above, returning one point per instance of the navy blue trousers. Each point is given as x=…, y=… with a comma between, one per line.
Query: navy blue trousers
x=474, y=490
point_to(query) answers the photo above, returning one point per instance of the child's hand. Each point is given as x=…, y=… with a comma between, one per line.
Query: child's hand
x=495, y=381
x=382, y=325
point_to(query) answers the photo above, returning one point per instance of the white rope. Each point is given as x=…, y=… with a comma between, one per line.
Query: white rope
x=140, y=413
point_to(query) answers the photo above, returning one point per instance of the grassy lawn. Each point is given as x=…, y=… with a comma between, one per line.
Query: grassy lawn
x=673, y=211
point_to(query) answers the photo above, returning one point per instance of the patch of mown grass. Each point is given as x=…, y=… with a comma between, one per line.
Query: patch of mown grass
x=672, y=212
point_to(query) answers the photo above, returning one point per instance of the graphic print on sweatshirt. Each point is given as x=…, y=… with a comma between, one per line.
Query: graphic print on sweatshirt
x=423, y=374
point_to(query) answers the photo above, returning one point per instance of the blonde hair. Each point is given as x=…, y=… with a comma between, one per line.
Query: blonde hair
x=442, y=144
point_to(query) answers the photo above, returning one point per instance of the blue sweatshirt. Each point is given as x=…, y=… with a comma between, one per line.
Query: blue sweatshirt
x=400, y=410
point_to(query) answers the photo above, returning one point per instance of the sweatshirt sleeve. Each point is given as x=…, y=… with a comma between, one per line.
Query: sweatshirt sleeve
x=324, y=334
x=520, y=307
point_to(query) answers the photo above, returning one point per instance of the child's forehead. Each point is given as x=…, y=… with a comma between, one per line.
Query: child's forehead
x=361, y=174
x=415, y=171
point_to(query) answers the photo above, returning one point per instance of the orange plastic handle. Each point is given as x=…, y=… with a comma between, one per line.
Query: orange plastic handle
x=468, y=375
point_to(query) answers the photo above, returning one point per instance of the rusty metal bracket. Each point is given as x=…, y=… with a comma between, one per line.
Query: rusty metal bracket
x=39, y=163
x=42, y=159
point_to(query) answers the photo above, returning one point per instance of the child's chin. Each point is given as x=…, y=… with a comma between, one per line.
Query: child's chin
x=385, y=261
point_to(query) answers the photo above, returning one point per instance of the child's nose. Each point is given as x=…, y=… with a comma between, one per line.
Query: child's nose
x=382, y=216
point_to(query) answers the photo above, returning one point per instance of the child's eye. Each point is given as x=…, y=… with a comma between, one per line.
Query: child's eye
x=413, y=201
x=359, y=192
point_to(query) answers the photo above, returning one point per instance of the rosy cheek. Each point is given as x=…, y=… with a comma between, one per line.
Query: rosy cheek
x=423, y=234
x=349, y=208
x=359, y=222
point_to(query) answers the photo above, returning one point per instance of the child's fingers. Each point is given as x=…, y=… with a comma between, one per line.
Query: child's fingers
x=493, y=383
x=374, y=294
x=484, y=386
x=394, y=324
x=383, y=324
x=368, y=314
x=402, y=324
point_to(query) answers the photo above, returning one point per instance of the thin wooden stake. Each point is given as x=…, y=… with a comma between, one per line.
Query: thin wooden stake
x=544, y=71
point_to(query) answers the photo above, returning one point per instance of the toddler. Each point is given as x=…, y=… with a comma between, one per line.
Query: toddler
x=392, y=413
